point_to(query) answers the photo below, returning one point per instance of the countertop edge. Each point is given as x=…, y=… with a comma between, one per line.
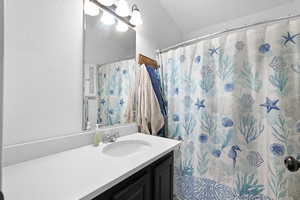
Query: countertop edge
x=113, y=183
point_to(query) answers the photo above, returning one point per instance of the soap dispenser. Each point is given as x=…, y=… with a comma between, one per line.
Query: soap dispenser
x=98, y=137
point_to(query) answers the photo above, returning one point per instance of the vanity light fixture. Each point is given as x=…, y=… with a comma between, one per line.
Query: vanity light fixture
x=121, y=26
x=136, y=18
x=107, y=19
x=90, y=8
x=116, y=12
x=122, y=8
x=107, y=2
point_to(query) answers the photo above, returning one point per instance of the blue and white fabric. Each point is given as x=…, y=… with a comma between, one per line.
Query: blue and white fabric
x=234, y=101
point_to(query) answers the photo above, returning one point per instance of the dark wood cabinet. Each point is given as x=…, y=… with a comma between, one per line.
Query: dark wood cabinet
x=137, y=190
x=154, y=182
x=163, y=180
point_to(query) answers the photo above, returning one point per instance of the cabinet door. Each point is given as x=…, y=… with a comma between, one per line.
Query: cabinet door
x=163, y=180
x=137, y=190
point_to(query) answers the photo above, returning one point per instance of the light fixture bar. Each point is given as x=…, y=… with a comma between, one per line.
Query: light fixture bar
x=112, y=13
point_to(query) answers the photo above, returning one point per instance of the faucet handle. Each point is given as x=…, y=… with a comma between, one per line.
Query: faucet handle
x=111, y=137
x=116, y=134
x=107, y=138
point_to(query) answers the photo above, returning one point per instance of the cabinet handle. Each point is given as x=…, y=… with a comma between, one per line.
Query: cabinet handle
x=292, y=164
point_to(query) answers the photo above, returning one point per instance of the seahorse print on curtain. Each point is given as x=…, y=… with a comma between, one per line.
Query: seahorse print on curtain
x=234, y=101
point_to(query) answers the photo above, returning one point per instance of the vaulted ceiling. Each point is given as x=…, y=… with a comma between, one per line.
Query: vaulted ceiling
x=192, y=15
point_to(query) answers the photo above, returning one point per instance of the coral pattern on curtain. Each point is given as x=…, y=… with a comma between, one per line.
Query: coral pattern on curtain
x=115, y=83
x=234, y=101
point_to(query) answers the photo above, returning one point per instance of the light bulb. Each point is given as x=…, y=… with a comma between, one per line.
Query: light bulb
x=91, y=8
x=106, y=2
x=122, y=27
x=136, y=18
x=107, y=19
x=122, y=8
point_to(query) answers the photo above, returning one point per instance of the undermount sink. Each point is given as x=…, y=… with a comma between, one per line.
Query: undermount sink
x=126, y=147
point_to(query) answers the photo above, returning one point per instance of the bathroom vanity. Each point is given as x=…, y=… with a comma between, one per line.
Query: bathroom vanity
x=154, y=182
x=135, y=167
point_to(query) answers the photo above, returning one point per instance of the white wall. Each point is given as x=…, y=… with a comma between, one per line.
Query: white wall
x=158, y=31
x=1, y=82
x=291, y=8
x=43, y=66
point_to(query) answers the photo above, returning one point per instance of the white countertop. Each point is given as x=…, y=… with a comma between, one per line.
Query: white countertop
x=81, y=173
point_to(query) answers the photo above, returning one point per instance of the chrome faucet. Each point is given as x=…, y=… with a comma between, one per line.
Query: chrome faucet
x=111, y=137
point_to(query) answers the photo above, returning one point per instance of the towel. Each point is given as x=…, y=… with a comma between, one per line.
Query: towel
x=149, y=115
x=157, y=89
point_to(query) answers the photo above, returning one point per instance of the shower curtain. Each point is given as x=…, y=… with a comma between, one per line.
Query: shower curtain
x=234, y=101
x=115, y=85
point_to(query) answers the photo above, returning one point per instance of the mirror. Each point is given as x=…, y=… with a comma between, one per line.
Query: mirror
x=109, y=73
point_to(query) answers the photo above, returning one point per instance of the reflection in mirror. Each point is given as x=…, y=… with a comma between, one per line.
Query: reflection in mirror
x=109, y=72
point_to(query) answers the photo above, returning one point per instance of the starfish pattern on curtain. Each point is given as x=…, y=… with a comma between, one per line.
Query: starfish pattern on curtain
x=115, y=82
x=234, y=101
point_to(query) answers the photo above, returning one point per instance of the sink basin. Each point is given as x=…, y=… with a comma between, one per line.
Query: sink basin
x=125, y=148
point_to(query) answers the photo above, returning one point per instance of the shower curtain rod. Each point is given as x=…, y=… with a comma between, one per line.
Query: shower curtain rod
x=186, y=43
